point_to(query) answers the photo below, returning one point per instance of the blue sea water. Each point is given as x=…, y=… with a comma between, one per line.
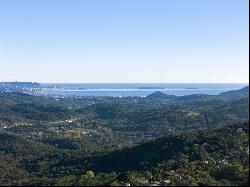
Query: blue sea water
x=137, y=89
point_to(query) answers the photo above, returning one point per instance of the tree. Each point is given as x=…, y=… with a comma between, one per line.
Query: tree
x=90, y=174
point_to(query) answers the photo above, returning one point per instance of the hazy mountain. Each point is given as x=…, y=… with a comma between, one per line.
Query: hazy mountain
x=244, y=92
x=160, y=95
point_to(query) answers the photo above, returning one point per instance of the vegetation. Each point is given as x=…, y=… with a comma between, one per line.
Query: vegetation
x=207, y=157
x=157, y=140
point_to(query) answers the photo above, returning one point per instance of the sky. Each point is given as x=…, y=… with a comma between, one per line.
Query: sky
x=124, y=41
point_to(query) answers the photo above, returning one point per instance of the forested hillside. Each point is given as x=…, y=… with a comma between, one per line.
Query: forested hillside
x=207, y=157
x=156, y=140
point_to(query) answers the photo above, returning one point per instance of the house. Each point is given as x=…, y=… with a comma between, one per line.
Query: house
x=166, y=182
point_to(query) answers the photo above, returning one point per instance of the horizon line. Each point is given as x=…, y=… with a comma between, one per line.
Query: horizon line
x=124, y=82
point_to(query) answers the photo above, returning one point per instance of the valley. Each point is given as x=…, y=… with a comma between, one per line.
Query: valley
x=131, y=140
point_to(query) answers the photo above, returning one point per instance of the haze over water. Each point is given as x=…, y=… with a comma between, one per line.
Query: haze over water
x=137, y=89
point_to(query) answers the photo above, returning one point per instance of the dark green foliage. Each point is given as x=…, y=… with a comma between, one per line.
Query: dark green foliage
x=41, y=112
x=207, y=157
x=141, y=141
x=242, y=93
x=160, y=95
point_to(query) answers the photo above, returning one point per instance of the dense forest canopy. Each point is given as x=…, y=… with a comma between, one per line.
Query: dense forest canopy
x=156, y=140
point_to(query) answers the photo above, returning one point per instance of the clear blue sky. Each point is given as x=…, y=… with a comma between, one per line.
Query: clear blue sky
x=124, y=41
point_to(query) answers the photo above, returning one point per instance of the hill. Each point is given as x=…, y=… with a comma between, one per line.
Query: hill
x=160, y=95
x=206, y=157
x=151, y=141
x=241, y=93
x=234, y=94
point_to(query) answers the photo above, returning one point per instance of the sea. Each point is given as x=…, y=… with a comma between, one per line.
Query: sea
x=135, y=89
